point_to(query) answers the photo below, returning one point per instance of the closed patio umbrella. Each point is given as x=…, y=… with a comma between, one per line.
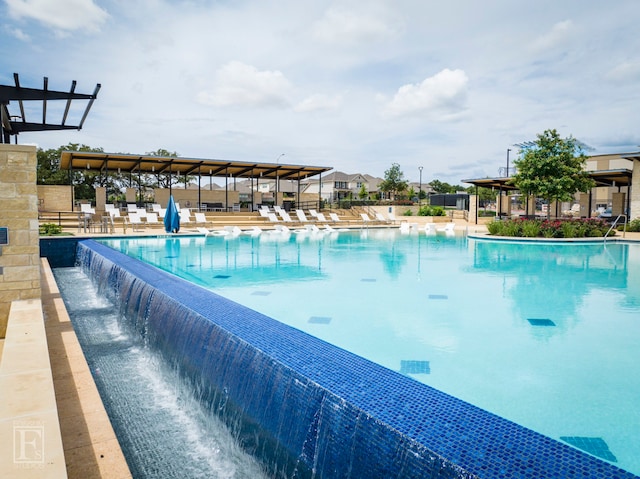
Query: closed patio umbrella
x=171, y=217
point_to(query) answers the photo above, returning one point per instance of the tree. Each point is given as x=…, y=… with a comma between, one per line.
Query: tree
x=443, y=187
x=363, y=193
x=554, y=169
x=394, y=181
x=48, y=171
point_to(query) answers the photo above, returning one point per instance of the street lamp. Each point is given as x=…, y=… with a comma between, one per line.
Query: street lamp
x=508, y=150
x=420, y=188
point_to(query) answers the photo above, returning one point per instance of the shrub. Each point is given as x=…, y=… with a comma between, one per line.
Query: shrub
x=431, y=211
x=49, y=229
x=532, y=228
x=407, y=213
x=634, y=226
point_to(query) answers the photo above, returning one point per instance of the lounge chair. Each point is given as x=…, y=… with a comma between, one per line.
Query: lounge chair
x=273, y=218
x=365, y=218
x=253, y=231
x=200, y=218
x=232, y=230
x=203, y=231
x=335, y=218
x=132, y=208
x=285, y=216
x=381, y=218
x=135, y=221
x=430, y=229
x=449, y=228
x=406, y=228
x=321, y=218
x=392, y=218
x=185, y=215
x=313, y=213
x=152, y=219
x=301, y=216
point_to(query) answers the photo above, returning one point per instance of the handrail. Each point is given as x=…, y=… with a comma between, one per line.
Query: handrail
x=613, y=225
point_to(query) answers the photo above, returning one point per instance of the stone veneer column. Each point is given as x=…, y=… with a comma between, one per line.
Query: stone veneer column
x=635, y=191
x=20, y=259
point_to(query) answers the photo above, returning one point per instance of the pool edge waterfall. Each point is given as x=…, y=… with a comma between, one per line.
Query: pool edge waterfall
x=306, y=408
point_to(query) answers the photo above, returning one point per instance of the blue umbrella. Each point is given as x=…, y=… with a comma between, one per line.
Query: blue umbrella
x=171, y=217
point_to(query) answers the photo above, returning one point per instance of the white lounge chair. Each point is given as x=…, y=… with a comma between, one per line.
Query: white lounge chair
x=203, y=231
x=185, y=215
x=285, y=216
x=200, y=218
x=365, y=218
x=232, y=230
x=135, y=221
x=321, y=218
x=253, y=231
x=334, y=217
x=449, y=228
x=152, y=219
x=430, y=229
x=381, y=218
x=301, y=216
x=273, y=218
x=313, y=213
x=132, y=208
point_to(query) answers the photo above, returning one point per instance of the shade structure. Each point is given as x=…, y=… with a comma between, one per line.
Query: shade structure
x=171, y=217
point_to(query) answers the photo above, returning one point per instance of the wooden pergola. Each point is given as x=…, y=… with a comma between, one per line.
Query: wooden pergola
x=104, y=163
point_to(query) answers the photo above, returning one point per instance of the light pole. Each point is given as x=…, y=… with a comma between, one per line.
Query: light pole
x=420, y=188
x=508, y=150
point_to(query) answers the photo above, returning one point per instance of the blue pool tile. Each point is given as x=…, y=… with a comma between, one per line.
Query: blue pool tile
x=414, y=367
x=593, y=445
x=320, y=319
x=540, y=322
x=222, y=276
x=438, y=296
x=261, y=293
x=368, y=280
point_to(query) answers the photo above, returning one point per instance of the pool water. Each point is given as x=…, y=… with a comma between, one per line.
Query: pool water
x=544, y=334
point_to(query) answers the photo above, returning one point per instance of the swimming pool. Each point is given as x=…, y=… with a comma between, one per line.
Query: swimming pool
x=540, y=334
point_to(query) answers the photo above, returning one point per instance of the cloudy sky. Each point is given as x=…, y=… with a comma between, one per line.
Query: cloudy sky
x=352, y=84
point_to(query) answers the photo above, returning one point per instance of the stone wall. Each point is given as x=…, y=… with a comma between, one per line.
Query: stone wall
x=20, y=258
x=55, y=197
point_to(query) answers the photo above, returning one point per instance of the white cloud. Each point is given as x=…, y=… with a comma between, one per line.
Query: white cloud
x=62, y=15
x=18, y=33
x=244, y=85
x=443, y=94
x=557, y=36
x=339, y=25
x=626, y=71
x=319, y=102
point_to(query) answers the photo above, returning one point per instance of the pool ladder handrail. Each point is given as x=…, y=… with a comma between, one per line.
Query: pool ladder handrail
x=613, y=225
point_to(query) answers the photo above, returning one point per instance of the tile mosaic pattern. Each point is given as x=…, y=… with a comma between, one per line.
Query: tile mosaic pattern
x=414, y=367
x=355, y=418
x=593, y=445
x=540, y=322
x=320, y=319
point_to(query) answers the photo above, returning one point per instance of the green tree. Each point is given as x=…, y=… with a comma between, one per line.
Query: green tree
x=554, y=169
x=363, y=193
x=485, y=195
x=443, y=187
x=394, y=182
x=163, y=180
x=48, y=171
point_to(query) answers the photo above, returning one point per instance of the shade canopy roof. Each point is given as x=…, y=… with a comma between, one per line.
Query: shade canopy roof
x=620, y=177
x=135, y=164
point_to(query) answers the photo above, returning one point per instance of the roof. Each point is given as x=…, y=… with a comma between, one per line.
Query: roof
x=185, y=166
x=620, y=177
